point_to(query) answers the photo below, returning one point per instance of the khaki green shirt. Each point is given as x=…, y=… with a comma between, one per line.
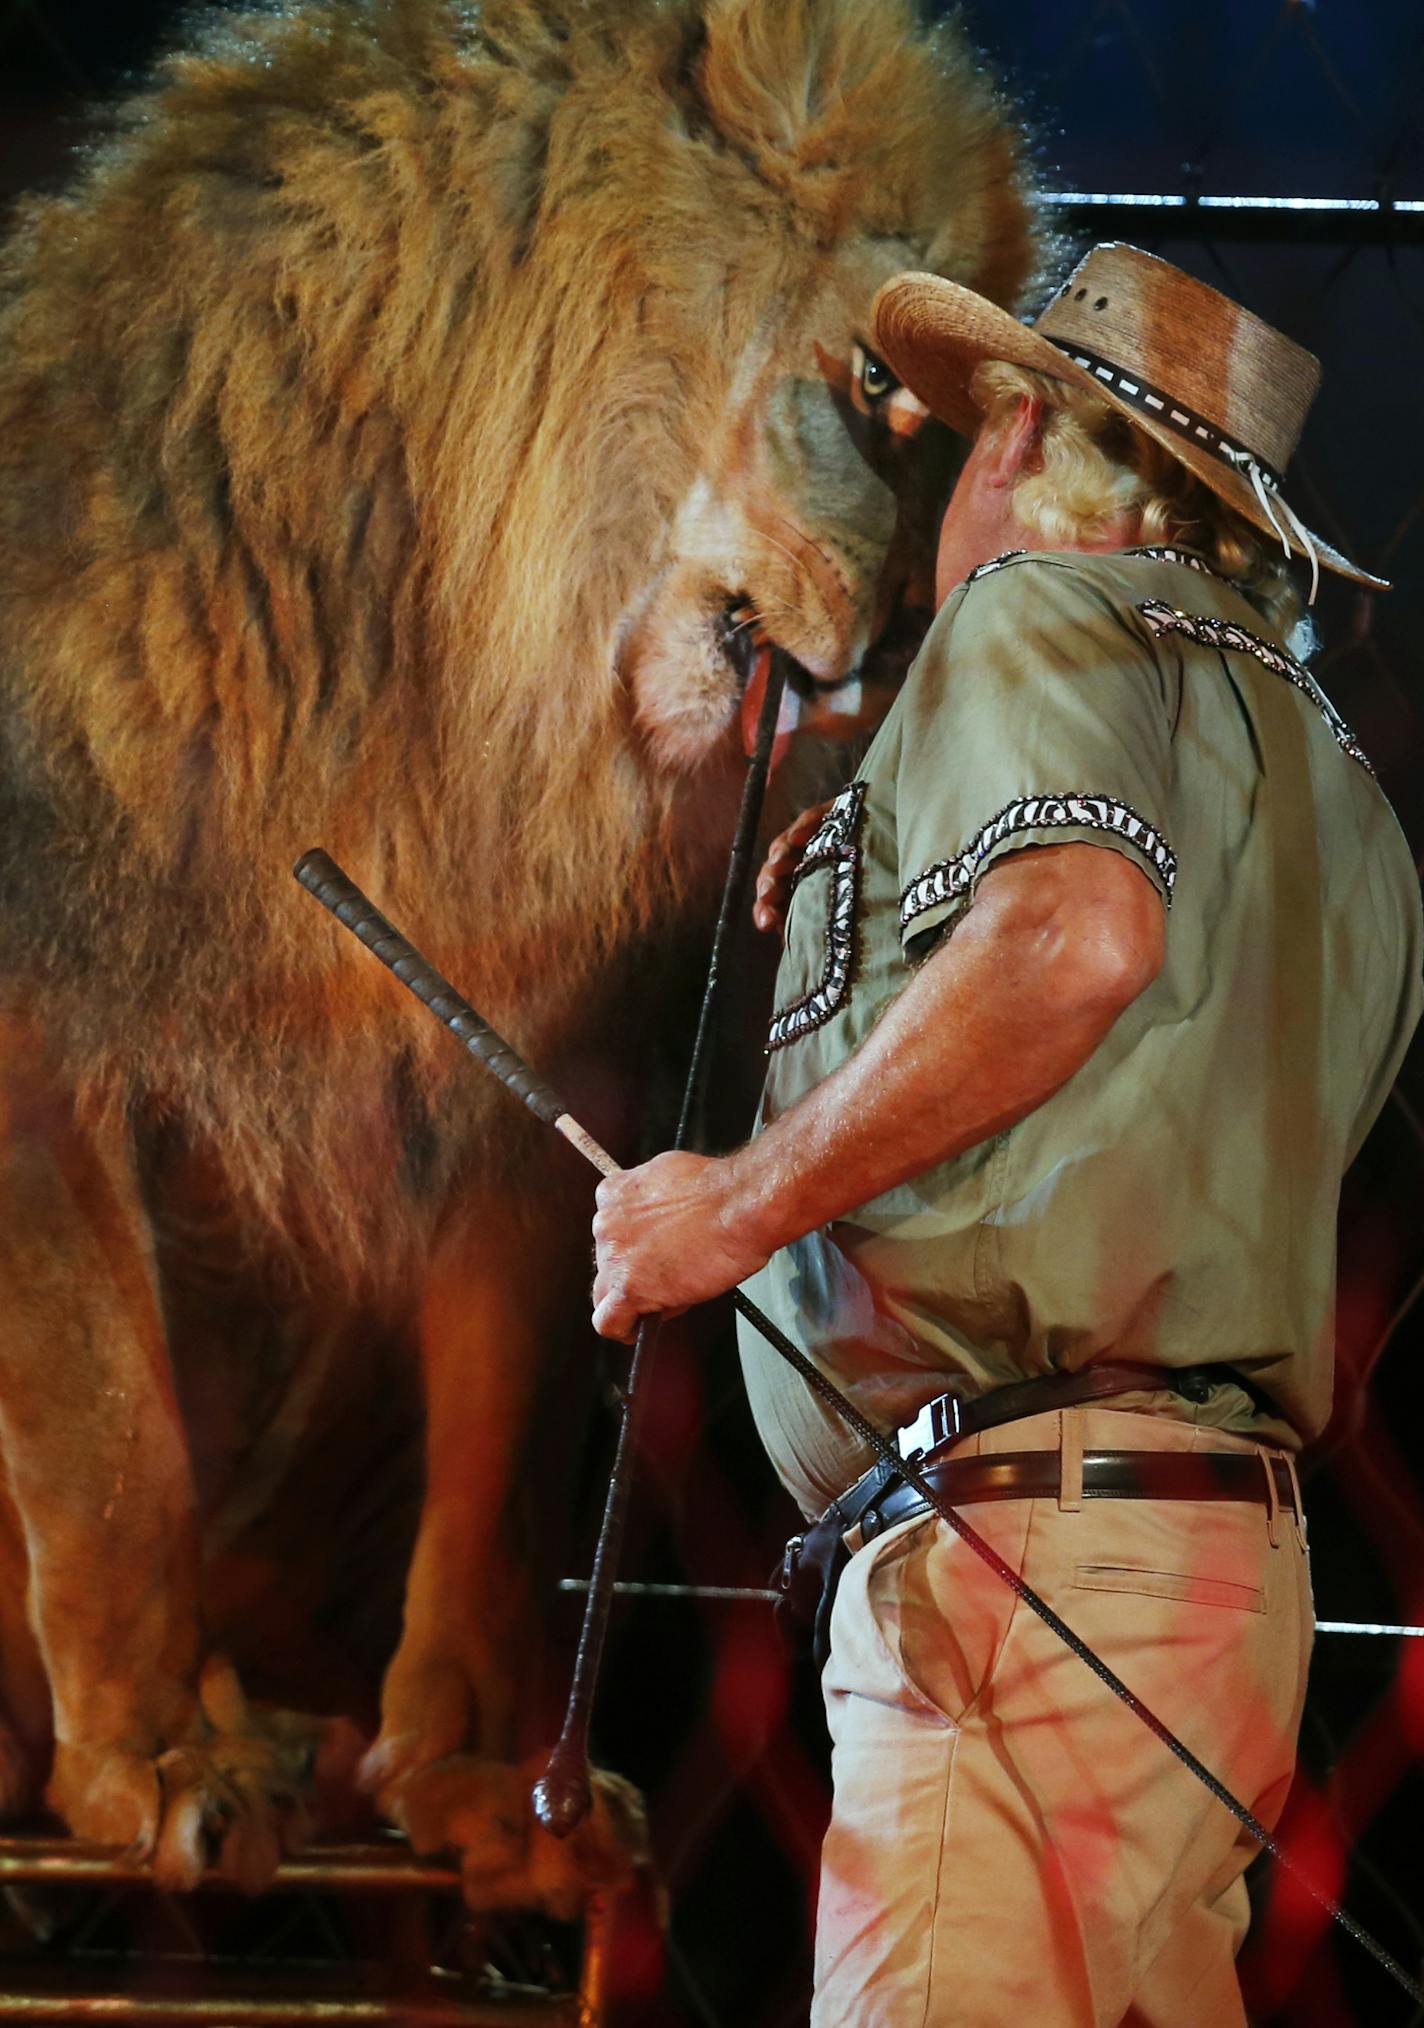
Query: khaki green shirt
x=1176, y=1201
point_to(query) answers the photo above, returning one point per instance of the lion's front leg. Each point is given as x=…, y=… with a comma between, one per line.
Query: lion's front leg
x=146, y=1754
x=465, y=1673
x=490, y=1302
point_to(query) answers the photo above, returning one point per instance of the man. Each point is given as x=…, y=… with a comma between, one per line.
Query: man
x=1094, y=980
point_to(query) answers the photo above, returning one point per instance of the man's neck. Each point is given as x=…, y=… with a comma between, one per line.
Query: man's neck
x=1005, y=534
x=1013, y=535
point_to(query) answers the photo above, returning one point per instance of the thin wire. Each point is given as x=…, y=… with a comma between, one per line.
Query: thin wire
x=1364, y=1627
x=760, y=1593
x=714, y=1591
x=700, y=2002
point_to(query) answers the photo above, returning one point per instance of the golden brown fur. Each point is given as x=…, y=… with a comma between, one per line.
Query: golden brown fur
x=327, y=491
x=383, y=416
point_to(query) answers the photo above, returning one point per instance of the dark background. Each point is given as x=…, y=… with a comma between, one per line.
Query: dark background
x=1126, y=98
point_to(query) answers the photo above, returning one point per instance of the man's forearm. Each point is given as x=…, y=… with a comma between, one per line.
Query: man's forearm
x=991, y=1025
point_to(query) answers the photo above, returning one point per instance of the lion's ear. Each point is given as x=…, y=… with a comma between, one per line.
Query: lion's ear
x=755, y=74
x=814, y=81
x=871, y=122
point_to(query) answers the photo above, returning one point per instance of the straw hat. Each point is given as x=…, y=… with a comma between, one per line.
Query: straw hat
x=1221, y=390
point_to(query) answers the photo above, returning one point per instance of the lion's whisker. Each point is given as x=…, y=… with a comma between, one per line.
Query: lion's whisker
x=799, y=562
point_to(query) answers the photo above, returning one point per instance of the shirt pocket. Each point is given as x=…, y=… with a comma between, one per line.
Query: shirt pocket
x=1209, y=1591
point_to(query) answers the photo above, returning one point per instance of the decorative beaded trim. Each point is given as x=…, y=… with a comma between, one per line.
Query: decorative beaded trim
x=1225, y=634
x=832, y=844
x=1167, y=409
x=835, y=834
x=1164, y=553
x=994, y=563
x=1158, y=552
x=952, y=878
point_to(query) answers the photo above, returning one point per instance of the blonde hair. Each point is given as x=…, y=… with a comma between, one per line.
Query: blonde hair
x=1096, y=469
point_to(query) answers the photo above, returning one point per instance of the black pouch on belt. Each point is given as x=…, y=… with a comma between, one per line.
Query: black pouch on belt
x=812, y=1565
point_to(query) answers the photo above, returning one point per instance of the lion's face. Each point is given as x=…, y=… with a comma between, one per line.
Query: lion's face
x=810, y=522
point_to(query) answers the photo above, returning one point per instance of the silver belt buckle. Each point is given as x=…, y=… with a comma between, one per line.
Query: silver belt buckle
x=938, y=1422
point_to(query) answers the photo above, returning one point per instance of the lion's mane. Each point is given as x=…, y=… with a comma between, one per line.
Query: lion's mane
x=345, y=403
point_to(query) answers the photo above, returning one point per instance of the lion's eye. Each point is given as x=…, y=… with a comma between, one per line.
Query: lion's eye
x=873, y=377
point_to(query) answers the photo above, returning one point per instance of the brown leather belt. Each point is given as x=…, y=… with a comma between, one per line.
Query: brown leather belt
x=1107, y=1475
x=946, y=1419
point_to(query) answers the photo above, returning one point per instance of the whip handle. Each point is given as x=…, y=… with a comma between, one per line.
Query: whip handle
x=320, y=875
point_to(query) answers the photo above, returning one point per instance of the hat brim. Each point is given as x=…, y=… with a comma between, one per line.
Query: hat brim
x=932, y=333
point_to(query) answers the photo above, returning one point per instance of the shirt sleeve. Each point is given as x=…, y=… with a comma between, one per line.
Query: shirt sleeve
x=1038, y=715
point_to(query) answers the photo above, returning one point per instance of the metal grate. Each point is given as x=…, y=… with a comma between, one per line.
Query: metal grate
x=347, y=1934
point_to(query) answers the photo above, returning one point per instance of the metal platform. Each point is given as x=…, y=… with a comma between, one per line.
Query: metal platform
x=362, y=1933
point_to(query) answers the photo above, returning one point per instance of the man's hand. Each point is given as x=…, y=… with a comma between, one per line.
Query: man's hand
x=668, y=1236
x=783, y=856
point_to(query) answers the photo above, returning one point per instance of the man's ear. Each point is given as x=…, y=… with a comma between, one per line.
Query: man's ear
x=1017, y=445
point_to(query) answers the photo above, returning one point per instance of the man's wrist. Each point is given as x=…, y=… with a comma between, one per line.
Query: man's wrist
x=755, y=1210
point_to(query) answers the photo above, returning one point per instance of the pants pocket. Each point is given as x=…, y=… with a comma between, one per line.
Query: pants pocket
x=1212, y=1591
x=944, y=1616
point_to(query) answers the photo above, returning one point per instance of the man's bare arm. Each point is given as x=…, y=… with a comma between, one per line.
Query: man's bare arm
x=1059, y=941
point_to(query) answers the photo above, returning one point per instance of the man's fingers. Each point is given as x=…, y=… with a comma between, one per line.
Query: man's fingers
x=783, y=855
x=613, y=1315
x=610, y=1307
x=639, y=1269
x=769, y=908
x=787, y=844
x=614, y=1319
x=809, y=821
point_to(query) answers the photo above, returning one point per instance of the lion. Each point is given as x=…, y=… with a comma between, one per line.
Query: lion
x=408, y=420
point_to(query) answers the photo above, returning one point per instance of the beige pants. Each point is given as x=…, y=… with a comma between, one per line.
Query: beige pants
x=1009, y=1846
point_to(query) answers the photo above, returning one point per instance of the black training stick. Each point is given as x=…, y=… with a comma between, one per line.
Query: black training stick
x=564, y=1795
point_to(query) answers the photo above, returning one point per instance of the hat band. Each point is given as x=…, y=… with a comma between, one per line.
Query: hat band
x=1166, y=408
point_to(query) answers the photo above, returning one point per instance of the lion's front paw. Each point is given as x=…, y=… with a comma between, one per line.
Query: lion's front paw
x=428, y=1712
x=229, y=1795
x=481, y=1810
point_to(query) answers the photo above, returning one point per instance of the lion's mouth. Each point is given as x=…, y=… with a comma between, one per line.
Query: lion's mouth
x=743, y=633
